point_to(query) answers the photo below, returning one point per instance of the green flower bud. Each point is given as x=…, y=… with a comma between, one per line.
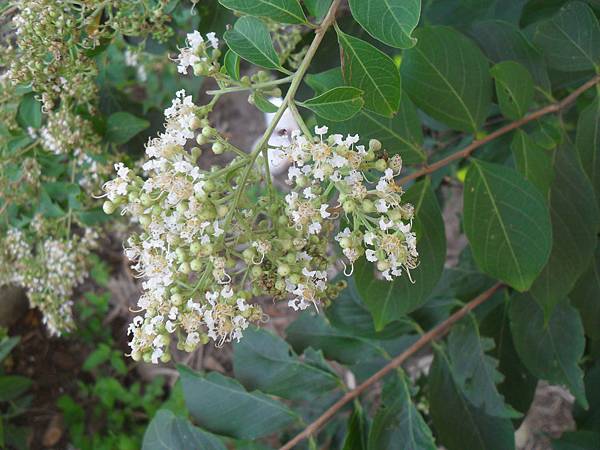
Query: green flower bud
x=374, y=145
x=349, y=206
x=367, y=206
x=283, y=270
x=176, y=299
x=184, y=268
x=381, y=165
x=108, y=207
x=208, y=132
x=218, y=148
x=195, y=265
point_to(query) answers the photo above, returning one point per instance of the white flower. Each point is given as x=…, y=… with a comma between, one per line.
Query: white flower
x=212, y=37
x=370, y=255
x=323, y=211
x=321, y=130
x=314, y=228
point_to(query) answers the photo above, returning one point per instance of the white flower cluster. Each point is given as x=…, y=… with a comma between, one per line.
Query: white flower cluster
x=213, y=239
x=196, y=55
x=379, y=223
x=49, y=273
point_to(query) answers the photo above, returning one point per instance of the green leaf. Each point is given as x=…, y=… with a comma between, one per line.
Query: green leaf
x=518, y=386
x=476, y=372
x=577, y=440
x=97, y=357
x=459, y=424
x=12, y=386
x=550, y=348
x=503, y=41
x=514, y=88
x=284, y=11
x=317, y=8
x=166, y=431
x=575, y=219
x=369, y=69
x=314, y=331
x=122, y=126
x=338, y=104
x=357, y=434
x=349, y=314
x=29, y=113
x=570, y=40
x=261, y=102
x=250, y=39
x=398, y=425
x=534, y=162
x=448, y=77
x=265, y=362
x=588, y=144
x=232, y=64
x=388, y=301
x=507, y=223
x=390, y=21
x=6, y=346
x=585, y=296
x=323, y=81
x=589, y=419
x=221, y=405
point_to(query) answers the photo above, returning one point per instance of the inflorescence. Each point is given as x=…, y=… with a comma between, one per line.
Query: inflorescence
x=212, y=239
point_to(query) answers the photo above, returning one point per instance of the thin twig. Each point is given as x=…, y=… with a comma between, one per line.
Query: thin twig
x=464, y=153
x=424, y=340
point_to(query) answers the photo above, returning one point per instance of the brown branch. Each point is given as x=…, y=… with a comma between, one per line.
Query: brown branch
x=435, y=333
x=464, y=153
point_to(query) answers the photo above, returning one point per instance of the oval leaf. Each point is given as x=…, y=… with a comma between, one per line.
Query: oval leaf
x=337, y=104
x=507, y=224
x=571, y=39
x=265, y=362
x=398, y=425
x=459, y=424
x=232, y=64
x=221, y=405
x=250, y=39
x=284, y=11
x=586, y=297
x=533, y=161
x=588, y=144
x=388, y=301
x=550, y=348
x=390, y=21
x=514, y=88
x=29, y=114
x=575, y=219
x=167, y=432
x=372, y=71
x=447, y=76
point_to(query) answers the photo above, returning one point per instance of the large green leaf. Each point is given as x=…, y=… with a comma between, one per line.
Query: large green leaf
x=391, y=300
x=518, y=386
x=533, y=161
x=507, y=223
x=166, y=431
x=503, y=41
x=398, y=425
x=476, y=372
x=390, y=21
x=585, y=296
x=514, y=88
x=221, y=405
x=448, y=77
x=571, y=39
x=575, y=220
x=285, y=11
x=12, y=386
x=458, y=424
x=550, y=348
x=250, y=39
x=266, y=362
x=588, y=143
x=122, y=126
x=337, y=104
x=369, y=69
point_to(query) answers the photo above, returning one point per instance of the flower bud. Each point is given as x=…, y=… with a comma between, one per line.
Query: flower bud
x=374, y=145
x=381, y=165
x=108, y=207
x=283, y=270
x=218, y=148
